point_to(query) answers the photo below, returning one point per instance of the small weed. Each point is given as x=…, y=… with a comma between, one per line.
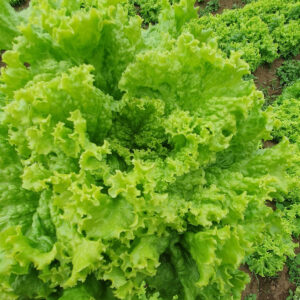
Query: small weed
x=211, y=6
x=273, y=84
x=268, y=98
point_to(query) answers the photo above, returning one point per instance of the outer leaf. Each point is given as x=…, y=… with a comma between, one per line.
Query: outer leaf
x=8, y=25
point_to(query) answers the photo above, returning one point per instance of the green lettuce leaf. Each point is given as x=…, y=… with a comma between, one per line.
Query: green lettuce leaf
x=9, y=20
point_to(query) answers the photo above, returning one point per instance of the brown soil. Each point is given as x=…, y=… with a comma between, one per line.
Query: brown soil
x=271, y=204
x=268, y=288
x=229, y=4
x=269, y=144
x=266, y=79
x=2, y=64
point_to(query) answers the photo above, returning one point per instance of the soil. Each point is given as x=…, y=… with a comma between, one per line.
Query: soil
x=271, y=204
x=266, y=79
x=2, y=64
x=269, y=144
x=229, y=4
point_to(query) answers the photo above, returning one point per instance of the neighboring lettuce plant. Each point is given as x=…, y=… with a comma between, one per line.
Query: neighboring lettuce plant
x=287, y=111
x=294, y=269
x=131, y=164
x=147, y=9
x=270, y=256
x=262, y=30
x=289, y=72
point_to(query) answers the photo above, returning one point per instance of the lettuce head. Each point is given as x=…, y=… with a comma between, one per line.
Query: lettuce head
x=131, y=164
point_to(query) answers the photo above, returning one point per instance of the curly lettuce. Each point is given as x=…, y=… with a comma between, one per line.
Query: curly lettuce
x=131, y=160
x=271, y=255
x=262, y=30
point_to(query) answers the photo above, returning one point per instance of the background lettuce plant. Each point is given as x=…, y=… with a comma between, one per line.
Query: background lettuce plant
x=289, y=72
x=271, y=254
x=262, y=30
x=131, y=160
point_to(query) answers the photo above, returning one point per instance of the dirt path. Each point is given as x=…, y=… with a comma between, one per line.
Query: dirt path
x=267, y=81
x=266, y=78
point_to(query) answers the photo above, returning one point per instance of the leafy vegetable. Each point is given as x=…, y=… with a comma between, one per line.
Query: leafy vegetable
x=131, y=159
x=289, y=72
x=149, y=10
x=270, y=255
x=287, y=109
x=8, y=23
x=262, y=30
x=294, y=270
